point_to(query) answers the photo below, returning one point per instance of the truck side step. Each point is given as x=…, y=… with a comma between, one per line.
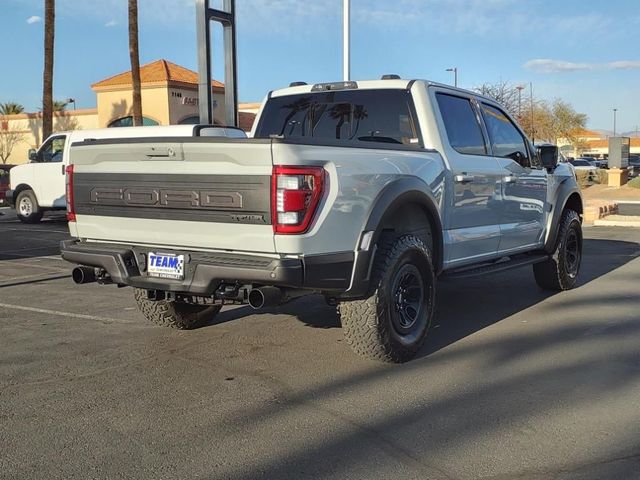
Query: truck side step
x=505, y=263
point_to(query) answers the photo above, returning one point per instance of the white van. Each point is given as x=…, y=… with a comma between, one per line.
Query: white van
x=39, y=185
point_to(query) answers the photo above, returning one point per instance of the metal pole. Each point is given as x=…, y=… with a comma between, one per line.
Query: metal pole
x=346, y=40
x=204, y=16
x=230, y=67
x=519, y=88
x=614, y=121
x=533, y=129
x=455, y=75
x=203, y=32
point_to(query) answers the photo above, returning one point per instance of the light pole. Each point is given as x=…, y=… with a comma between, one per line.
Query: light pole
x=533, y=128
x=455, y=75
x=615, y=110
x=70, y=100
x=346, y=40
x=520, y=88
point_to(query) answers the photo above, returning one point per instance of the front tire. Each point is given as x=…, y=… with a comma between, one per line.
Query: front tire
x=182, y=316
x=27, y=208
x=560, y=271
x=391, y=325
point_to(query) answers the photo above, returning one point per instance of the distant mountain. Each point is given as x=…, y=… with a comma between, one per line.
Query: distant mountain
x=609, y=133
x=631, y=133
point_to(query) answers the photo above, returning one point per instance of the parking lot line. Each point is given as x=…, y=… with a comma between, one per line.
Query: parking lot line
x=39, y=230
x=58, y=313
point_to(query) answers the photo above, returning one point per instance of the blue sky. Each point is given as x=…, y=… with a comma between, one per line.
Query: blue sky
x=584, y=52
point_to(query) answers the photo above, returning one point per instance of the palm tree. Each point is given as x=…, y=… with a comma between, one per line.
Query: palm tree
x=11, y=108
x=59, y=105
x=134, y=55
x=47, y=88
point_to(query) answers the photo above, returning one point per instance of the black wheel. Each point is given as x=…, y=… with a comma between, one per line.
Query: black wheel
x=560, y=272
x=392, y=323
x=27, y=208
x=183, y=316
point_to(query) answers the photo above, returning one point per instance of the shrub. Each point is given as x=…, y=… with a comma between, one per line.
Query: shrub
x=603, y=176
x=634, y=183
x=584, y=178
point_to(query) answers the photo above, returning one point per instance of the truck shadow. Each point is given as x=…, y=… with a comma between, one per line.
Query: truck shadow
x=466, y=306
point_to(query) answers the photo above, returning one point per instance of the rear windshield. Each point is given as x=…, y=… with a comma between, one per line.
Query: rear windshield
x=354, y=116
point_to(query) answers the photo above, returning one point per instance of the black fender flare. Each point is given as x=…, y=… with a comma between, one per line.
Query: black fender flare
x=395, y=194
x=568, y=194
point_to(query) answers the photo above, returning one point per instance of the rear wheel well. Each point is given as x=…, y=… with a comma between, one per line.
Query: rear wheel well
x=415, y=219
x=574, y=202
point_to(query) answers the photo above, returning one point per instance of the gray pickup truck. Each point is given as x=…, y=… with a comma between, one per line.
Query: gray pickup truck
x=365, y=192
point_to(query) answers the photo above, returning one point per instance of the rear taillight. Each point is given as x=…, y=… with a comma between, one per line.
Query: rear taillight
x=295, y=194
x=71, y=211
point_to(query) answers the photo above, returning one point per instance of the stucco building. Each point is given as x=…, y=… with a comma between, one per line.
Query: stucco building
x=169, y=97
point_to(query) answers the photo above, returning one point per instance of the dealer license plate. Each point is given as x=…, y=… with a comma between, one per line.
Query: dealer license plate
x=163, y=265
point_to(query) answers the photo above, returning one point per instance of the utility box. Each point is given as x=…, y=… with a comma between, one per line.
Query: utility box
x=619, y=152
x=618, y=160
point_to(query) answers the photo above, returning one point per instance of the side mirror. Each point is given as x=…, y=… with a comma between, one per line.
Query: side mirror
x=33, y=155
x=548, y=155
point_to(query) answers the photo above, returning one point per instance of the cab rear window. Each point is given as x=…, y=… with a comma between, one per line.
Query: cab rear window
x=350, y=116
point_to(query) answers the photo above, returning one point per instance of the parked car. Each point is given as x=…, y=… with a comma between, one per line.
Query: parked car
x=634, y=166
x=39, y=186
x=365, y=192
x=4, y=182
x=584, y=165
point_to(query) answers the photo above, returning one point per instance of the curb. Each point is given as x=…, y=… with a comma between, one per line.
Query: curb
x=616, y=223
x=594, y=213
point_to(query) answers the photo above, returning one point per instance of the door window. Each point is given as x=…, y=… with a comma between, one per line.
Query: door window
x=52, y=151
x=506, y=140
x=461, y=124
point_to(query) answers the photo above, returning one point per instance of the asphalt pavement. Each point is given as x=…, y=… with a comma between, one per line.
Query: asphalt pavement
x=513, y=383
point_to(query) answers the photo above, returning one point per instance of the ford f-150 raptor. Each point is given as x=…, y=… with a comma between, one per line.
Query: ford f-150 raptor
x=365, y=192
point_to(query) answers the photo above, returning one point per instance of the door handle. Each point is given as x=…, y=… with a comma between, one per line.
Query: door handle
x=510, y=179
x=464, y=178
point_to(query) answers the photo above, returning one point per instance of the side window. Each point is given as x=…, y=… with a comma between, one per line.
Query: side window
x=52, y=152
x=506, y=140
x=463, y=129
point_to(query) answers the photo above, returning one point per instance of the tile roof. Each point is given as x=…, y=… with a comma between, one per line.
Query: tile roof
x=634, y=142
x=584, y=133
x=158, y=71
x=245, y=120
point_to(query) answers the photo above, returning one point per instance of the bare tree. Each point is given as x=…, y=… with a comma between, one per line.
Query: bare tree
x=502, y=92
x=9, y=138
x=134, y=55
x=540, y=120
x=47, y=88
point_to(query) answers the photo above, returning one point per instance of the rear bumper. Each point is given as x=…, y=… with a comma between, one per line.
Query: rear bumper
x=204, y=272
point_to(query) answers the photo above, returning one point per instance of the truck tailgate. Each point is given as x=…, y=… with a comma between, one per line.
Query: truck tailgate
x=205, y=193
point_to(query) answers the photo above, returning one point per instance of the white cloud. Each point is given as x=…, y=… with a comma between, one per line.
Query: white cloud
x=546, y=65
x=624, y=65
x=111, y=23
x=34, y=19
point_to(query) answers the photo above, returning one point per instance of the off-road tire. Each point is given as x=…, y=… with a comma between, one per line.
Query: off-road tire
x=182, y=316
x=34, y=212
x=370, y=326
x=560, y=272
